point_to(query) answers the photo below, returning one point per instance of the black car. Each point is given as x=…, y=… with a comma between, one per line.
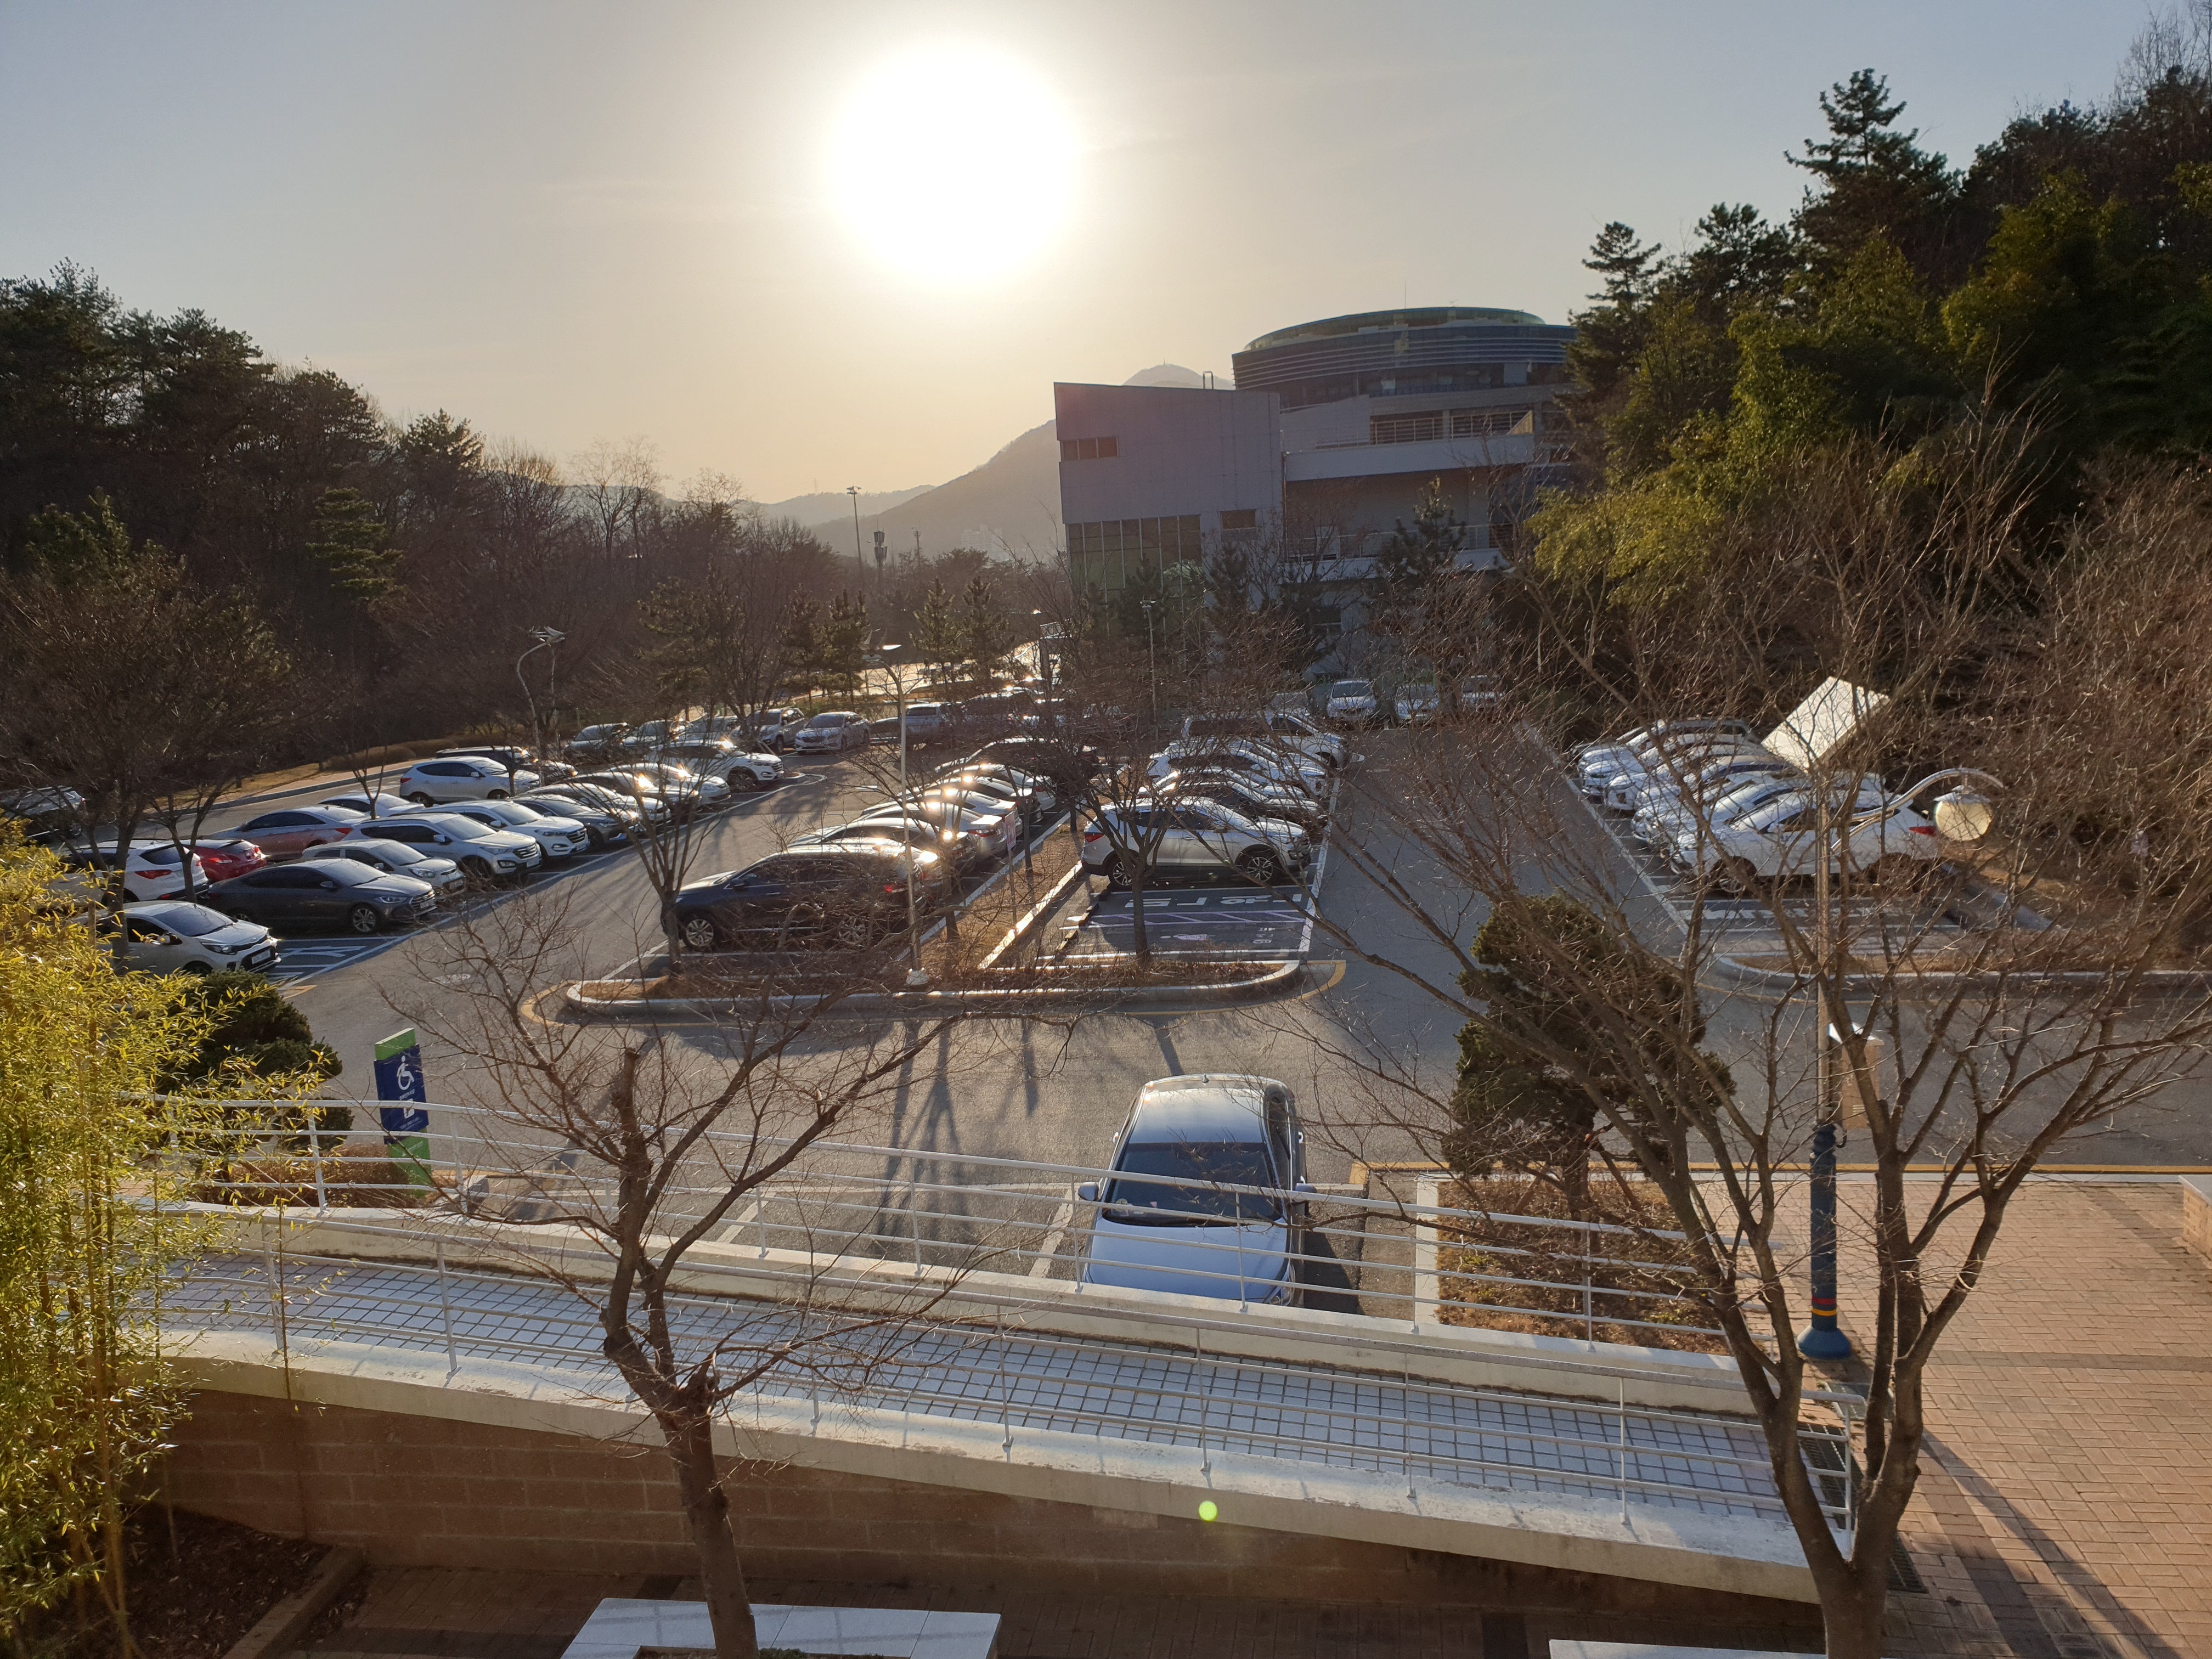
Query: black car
x=335, y=893
x=845, y=897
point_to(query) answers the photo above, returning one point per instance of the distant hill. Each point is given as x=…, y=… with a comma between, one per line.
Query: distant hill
x=1009, y=505
x=826, y=504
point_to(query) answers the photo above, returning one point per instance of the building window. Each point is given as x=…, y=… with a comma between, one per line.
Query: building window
x=1090, y=449
x=1243, y=517
x=1108, y=555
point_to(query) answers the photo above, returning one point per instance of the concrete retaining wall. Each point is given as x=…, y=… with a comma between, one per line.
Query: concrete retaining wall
x=415, y=1489
x=2197, y=1216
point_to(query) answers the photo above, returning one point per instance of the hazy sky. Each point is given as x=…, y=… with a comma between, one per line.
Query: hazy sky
x=571, y=222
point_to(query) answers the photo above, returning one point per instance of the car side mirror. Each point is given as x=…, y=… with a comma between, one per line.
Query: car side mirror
x=1302, y=1186
x=1088, y=1192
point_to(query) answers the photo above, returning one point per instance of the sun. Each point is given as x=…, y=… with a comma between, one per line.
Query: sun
x=954, y=165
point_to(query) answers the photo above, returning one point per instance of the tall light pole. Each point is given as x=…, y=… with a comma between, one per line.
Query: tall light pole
x=915, y=979
x=546, y=639
x=1152, y=659
x=858, y=563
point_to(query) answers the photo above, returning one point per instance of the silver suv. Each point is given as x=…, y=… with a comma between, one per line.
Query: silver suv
x=1194, y=838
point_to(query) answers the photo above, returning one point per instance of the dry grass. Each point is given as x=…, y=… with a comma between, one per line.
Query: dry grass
x=1556, y=1255
x=360, y=1175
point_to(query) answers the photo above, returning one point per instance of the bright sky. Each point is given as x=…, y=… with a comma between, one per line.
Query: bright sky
x=723, y=228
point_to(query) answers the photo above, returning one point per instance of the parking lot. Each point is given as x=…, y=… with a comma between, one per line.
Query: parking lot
x=1233, y=919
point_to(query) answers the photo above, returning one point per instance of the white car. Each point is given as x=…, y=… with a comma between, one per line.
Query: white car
x=176, y=938
x=556, y=837
x=832, y=733
x=1352, y=702
x=678, y=782
x=1178, y=1216
x=463, y=777
x=1657, y=824
x=1280, y=728
x=393, y=858
x=1277, y=766
x=1416, y=704
x=721, y=758
x=1670, y=763
x=1595, y=764
x=151, y=869
x=481, y=852
x=1780, y=840
x=1194, y=838
x=1686, y=772
x=1479, y=693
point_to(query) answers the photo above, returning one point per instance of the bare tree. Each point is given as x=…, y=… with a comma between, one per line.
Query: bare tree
x=1964, y=1056
x=646, y=1145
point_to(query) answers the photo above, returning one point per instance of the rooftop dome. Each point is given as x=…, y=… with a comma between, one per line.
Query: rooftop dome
x=1361, y=322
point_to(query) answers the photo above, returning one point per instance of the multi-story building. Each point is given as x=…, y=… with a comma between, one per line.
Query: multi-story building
x=1333, y=434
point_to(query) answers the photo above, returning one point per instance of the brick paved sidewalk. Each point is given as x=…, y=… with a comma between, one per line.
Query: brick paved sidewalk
x=2066, y=1510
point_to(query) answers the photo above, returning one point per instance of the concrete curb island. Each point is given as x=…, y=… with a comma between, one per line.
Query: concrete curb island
x=1270, y=979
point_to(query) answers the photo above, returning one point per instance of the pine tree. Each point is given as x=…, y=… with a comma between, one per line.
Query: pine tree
x=985, y=634
x=348, y=540
x=937, y=639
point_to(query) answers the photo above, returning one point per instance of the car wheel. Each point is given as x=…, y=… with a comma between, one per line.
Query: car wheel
x=1121, y=870
x=362, y=918
x=1261, y=866
x=496, y=794
x=478, y=869
x=421, y=799
x=196, y=969
x=699, y=933
x=1739, y=876
x=854, y=933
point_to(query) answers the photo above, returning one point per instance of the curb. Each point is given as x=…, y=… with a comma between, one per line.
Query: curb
x=2157, y=980
x=1037, y=912
x=1278, y=976
x=283, y=1624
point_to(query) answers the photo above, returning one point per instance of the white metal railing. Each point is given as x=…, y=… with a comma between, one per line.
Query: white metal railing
x=974, y=1366
x=938, y=1208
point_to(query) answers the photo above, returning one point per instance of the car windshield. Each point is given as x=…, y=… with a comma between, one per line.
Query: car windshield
x=396, y=851
x=1353, y=688
x=822, y=722
x=189, y=921
x=465, y=829
x=1150, y=1204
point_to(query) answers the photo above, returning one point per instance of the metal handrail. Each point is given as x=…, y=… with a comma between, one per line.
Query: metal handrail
x=276, y=1284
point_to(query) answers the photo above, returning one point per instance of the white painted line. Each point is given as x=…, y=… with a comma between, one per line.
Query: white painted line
x=1042, y=1267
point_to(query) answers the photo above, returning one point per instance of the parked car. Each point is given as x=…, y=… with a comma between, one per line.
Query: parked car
x=1241, y=791
x=481, y=852
x=291, y=830
x=463, y=777
x=1039, y=796
x=832, y=732
x=928, y=725
x=1479, y=694
x=1242, y=755
x=678, y=782
x=172, y=937
x=513, y=759
x=1595, y=763
x=1056, y=758
x=1416, y=704
x=1177, y=1216
x=1022, y=801
x=557, y=837
x=1352, y=703
x=603, y=823
x=973, y=838
x=652, y=735
x=773, y=729
x=1693, y=769
x=1288, y=728
x=1658, y=823
x=151, y=869
x=1194, y=838
x=377, y=806
x=49, y=809
x=1005, y=815
x=1676, y=757
x=597, y=743
x=232, y=855
x=1782, y=839
x=720, y=757
x=848, y=897
x=393, y=858
x=324, y=892
x=631, y=788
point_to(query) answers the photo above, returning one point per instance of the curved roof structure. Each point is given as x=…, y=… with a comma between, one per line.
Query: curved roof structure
x=1421, y=350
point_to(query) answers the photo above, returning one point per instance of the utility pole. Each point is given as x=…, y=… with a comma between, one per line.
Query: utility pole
x=1152, y=659
x=860, y=563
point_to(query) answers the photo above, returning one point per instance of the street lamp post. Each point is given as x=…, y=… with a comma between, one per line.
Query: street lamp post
x=915, y=979
x=1152, y=659
x=860, y=563
x=546, y=639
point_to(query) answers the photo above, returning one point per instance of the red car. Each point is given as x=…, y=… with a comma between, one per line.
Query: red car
x=233, y=856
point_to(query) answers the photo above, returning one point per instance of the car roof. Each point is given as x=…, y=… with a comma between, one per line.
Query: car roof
x=1205, y=1106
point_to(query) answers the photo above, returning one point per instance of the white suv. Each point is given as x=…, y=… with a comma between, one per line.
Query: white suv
x=556, y=837
x=480, y=852
x=463, y=777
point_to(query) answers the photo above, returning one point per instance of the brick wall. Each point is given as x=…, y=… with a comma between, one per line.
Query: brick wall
x=419, y=1490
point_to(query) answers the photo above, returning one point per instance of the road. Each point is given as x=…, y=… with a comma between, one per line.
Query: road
x=1359, y=1042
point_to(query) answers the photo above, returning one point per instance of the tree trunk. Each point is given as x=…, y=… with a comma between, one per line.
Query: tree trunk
x=706, y=1513
x=1852, y=1618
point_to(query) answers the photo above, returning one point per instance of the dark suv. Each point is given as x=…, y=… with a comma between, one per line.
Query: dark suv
x=847, y=898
